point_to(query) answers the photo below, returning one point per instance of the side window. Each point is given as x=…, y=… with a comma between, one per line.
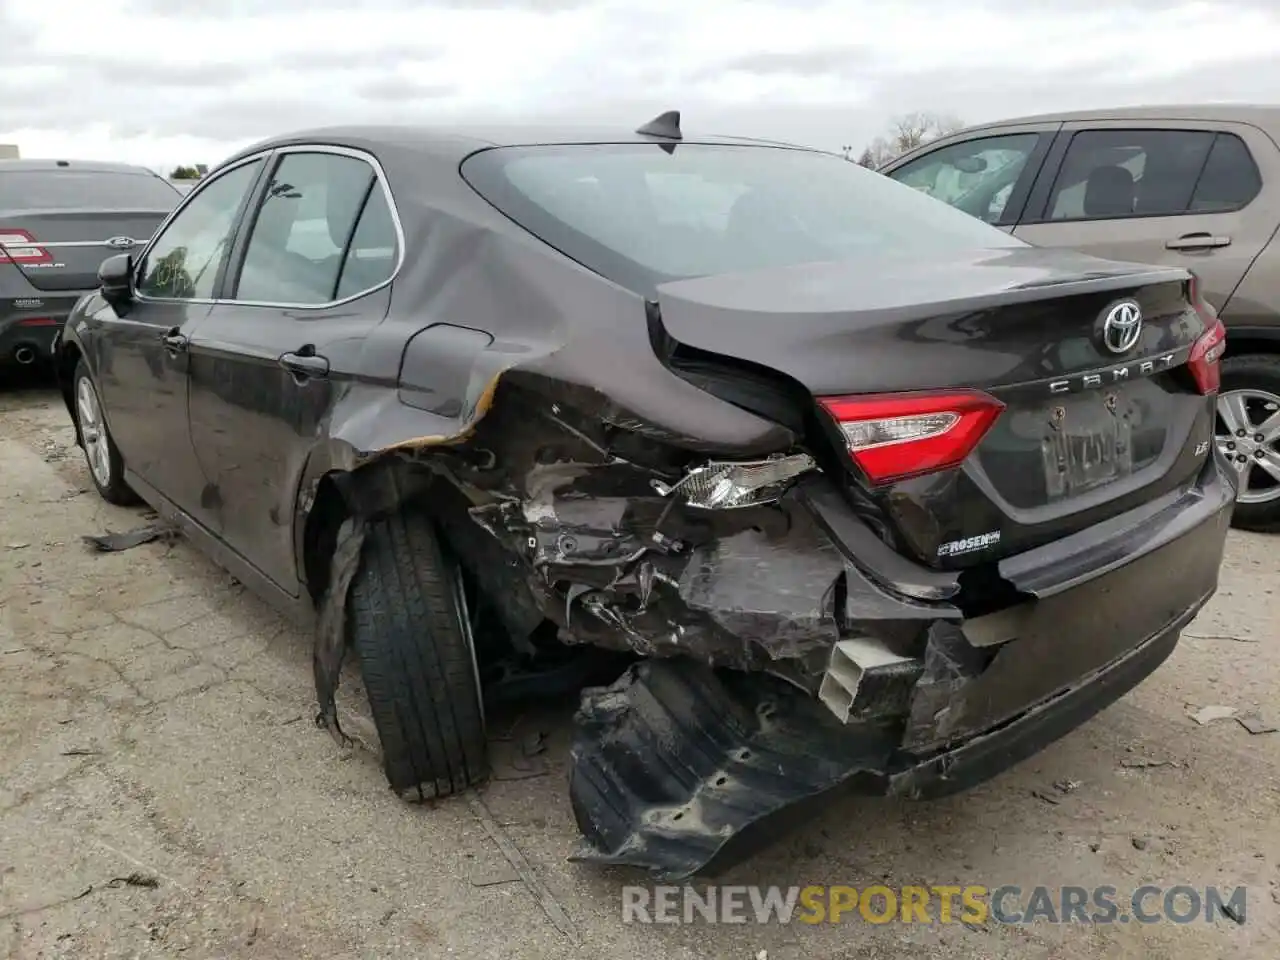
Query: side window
x=371, y=258
x=1230, y=179
x=1108, y=174
x=976, y=176
x=183, y=262
x=295, y=250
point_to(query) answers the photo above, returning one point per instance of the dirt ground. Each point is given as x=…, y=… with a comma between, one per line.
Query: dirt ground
x=156, y=721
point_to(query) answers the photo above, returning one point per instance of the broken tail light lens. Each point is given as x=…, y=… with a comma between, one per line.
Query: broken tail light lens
x=1203, y=361
x=897, y=436
x=18, y=246
x=722, y=485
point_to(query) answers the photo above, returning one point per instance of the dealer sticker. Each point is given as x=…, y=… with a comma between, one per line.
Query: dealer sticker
x=969, y=544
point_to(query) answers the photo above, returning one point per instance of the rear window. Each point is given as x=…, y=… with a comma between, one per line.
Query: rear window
x=643, y=214
x=65, y=189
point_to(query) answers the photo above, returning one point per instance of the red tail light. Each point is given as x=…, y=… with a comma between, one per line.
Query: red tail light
x=1209, y=348
x=900, y=435
x=18, y=246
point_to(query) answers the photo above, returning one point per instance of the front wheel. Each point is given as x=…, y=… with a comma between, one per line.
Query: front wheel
x=1248, y=435
x=106, y=468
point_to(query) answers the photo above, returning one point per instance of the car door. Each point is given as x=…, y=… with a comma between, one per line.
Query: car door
x=1183, y=193
x=987, y=174
x=309, y=280
x=141, y=361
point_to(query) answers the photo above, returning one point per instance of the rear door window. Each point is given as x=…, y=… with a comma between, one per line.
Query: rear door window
x=1230, y=179
x=295, y=253
x=374, y=251
x=1111, y=174
x=70, y=189
x=976, y=176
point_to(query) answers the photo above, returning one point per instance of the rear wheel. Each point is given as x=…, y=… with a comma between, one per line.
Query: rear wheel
x=408, y=621
x=106, y=468
x=1248, y=434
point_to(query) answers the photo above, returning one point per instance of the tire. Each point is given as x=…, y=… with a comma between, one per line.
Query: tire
x=1259, y=375
x=101, y=456
x=417, y=662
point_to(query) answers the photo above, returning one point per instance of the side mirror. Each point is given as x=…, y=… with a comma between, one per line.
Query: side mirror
x=115, y=279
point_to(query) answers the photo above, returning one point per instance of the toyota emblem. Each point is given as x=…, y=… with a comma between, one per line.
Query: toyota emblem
x=1122, y=327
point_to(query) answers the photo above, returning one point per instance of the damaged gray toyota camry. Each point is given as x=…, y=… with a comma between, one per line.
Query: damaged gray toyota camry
x=805, y=480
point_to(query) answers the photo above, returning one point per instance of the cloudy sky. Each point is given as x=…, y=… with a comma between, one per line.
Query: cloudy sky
x=162, y=82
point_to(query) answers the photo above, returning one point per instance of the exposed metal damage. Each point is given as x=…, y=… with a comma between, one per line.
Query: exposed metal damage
x=776, y=667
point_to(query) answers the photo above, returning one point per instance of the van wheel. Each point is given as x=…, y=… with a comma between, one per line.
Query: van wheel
x=1248, y=434
x=408, y=622
x=106, y=467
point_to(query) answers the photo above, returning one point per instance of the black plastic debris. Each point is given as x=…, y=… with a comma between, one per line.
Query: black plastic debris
x=135, y=880
x=331, y=638
x=128, y=539
x=679, y=768
x=1143, y=764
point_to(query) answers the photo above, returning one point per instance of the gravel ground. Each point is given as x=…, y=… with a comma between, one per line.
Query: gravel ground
x=155, y=722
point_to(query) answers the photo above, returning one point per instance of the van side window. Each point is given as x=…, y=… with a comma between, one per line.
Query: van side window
x=1110, y=174
x=975, y=176
x=1230, y=179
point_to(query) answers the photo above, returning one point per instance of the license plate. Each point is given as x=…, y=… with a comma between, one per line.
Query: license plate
x=1087, y=443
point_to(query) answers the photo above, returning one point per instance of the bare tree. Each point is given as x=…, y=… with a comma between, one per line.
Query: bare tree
x=906, y=133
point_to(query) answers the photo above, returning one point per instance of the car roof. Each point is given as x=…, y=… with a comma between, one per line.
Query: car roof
x=81, y=166
x=456, y=143
x=1260, y=114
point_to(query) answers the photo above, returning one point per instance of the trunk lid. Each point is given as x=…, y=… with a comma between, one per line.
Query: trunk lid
x=62, y=249
x=1086, y=431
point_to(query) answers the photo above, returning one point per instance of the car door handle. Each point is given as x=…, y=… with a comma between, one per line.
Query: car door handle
x=1197, y=241
x=305, y=365
x=174, y=342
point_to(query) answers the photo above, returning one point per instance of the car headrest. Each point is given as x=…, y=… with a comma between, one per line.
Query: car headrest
x=1109, y=192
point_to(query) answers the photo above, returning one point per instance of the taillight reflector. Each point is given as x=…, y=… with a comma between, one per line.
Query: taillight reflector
x=38, y=322
x=901, y=435
x=1203, y=361
x=18, y=246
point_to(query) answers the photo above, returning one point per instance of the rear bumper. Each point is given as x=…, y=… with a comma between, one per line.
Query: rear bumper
x=678, y=767
x=17, y=338
x=984, y=755
x=33, y=323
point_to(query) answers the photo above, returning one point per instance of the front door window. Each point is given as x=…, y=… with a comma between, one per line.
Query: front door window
x=184, y=262
x=976, y=176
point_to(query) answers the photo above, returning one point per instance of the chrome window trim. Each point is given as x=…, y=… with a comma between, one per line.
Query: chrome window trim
x=59, y=244
x=267, y=153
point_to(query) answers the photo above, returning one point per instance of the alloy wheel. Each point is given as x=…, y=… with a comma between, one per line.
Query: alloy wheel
x=93, y=432
x=1248, y=434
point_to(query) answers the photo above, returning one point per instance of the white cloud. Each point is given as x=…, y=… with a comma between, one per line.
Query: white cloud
x=168, y=81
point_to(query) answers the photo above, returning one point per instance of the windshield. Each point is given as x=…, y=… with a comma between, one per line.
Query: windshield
x=80, y=190
x=643, y=214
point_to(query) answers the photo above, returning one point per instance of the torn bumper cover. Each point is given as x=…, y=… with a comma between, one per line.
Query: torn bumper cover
x=678, y=766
